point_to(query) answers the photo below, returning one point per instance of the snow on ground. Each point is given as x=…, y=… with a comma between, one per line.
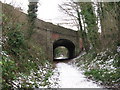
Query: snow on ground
x=61, y=58
x=71, y=77
x=118, y=48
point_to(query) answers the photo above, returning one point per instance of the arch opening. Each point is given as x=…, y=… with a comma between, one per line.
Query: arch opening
x=61, y=52
x=67, y=46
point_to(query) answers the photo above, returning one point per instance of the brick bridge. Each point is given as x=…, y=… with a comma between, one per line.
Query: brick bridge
x=50, y=36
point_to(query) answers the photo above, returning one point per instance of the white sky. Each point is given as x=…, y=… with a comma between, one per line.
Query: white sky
x=48, y=10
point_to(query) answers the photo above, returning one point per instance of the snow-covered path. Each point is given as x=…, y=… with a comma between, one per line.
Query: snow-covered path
x=71, y=77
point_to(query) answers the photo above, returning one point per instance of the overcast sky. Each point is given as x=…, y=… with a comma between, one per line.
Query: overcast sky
x=48, y=10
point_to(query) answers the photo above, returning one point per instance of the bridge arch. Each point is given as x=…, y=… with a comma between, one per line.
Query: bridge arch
x=67, y=44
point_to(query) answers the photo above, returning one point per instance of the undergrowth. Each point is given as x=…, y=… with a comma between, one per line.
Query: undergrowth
x=103, y=67
x=24, y=64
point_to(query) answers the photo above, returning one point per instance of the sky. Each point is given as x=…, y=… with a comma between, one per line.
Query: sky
x=48, y=10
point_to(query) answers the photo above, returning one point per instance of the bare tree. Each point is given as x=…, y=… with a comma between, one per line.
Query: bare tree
x=74, y=11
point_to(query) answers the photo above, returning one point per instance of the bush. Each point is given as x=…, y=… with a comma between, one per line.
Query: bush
x=9, y=69
x=23, y=62
x=104, y=66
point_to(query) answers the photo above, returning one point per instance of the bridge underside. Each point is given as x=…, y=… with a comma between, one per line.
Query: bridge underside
x=67, y=44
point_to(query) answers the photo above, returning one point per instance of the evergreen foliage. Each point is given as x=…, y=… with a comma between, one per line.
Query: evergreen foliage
x=31, y=18
x=103, y=65
x=23, y=63
x=90, y=19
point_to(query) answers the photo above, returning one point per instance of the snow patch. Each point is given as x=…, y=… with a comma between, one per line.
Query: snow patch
x=71, y=77
x=118, y=48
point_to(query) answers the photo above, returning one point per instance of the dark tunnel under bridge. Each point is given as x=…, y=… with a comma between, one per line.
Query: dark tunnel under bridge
x=67, y=44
